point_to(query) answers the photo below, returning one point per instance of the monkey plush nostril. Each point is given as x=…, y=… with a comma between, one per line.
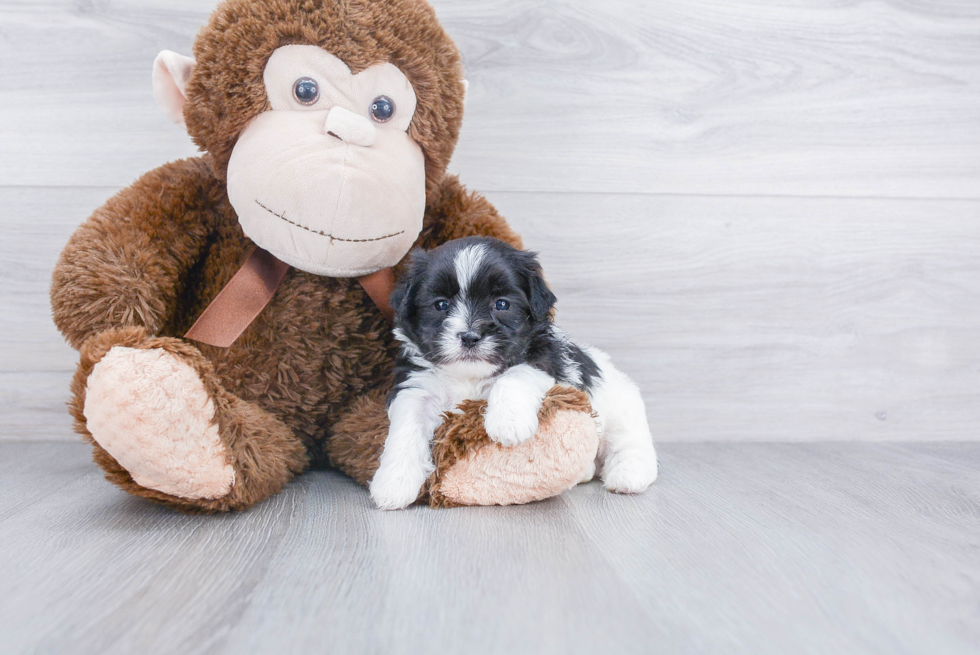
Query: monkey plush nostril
x=350, y=127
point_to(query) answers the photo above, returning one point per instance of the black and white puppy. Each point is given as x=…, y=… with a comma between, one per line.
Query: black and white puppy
x=474, y=320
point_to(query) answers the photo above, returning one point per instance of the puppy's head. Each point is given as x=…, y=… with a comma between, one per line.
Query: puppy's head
x=472, y=300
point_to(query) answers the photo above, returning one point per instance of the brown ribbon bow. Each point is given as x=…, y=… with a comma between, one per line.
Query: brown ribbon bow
x=251, y=289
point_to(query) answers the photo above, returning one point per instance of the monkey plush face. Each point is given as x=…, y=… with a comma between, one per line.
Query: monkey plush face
x=332, y=123
x=329, y=180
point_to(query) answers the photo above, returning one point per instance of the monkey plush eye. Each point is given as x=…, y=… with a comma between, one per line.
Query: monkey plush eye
x=441, y=305
x=501, y=305
x=306, y=91
x=382, y=109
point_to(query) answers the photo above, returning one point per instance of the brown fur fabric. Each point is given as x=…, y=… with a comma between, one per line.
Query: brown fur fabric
x=227, y=90
x=452, y=201
x=309, y=374
x=262, y=450
x=128, y=263
x=157, y=253
x=359, y=437
x=462, y=434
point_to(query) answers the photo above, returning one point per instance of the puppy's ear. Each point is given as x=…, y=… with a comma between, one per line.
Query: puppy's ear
x=539, y=296
x=403, y=296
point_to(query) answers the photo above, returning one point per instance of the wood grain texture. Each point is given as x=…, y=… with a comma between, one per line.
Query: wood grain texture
x=763, y=318
x=36, y=364
x=773, y=319
x=738, y=548
x=766, y=319
x=709, y=97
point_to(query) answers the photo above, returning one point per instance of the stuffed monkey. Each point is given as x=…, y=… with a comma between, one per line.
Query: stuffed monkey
x=230, y=309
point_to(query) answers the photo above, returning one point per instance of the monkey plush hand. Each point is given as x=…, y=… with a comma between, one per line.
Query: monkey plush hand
x=326, y=129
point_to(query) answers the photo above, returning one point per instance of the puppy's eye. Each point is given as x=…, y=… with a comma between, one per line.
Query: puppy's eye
x=441, y=305
x=306, y=91
x=501, y=305
x=382, y=109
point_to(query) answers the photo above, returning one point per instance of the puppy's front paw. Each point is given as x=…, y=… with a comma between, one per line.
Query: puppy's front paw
x=397, y=483
x=511, y=420
x=630, y=472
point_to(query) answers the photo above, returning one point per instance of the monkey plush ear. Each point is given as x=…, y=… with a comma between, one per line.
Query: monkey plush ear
x=171, y=72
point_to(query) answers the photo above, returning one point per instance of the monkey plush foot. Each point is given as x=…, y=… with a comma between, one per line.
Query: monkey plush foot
x=473, y=470
x=151, y=412
x=164, y=428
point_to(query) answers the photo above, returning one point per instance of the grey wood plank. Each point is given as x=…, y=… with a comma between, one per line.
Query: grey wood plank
x=315, y=568
x=773, y=319
x=740, y=318
x=34, y=237
x=36, y=364
x=33, y=405
x=773, y=543
x=788, y=98
x=738, y=548
x=29, y=476
x=490, y=581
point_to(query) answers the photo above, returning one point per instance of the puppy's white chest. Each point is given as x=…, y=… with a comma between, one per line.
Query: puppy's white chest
x=459, y=389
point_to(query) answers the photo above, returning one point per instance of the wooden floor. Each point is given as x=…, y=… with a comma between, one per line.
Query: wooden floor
x=738, y=548
x=767, y=211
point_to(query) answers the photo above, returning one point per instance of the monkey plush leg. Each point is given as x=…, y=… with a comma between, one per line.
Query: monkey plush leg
x=164, y=429
x=358, y=437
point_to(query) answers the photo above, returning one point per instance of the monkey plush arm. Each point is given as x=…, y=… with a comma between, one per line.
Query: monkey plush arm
x=458, y=213
x=470, y=468
x=125, y=266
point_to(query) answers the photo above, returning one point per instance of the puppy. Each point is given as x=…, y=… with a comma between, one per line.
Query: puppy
x=474, y=320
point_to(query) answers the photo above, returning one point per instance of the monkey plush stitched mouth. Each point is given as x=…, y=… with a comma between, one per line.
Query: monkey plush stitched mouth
x=329, y=181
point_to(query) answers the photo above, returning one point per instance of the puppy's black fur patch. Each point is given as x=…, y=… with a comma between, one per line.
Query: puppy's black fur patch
x=505, y=305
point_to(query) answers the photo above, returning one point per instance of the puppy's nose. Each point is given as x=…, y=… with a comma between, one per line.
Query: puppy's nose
x=348, y=126
x=469, y=339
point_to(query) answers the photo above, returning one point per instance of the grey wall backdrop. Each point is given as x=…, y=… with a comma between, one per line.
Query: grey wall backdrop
x=767, y=212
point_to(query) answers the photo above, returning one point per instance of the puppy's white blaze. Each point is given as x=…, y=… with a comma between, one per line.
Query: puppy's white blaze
x=456, y=322
x=467, y=263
